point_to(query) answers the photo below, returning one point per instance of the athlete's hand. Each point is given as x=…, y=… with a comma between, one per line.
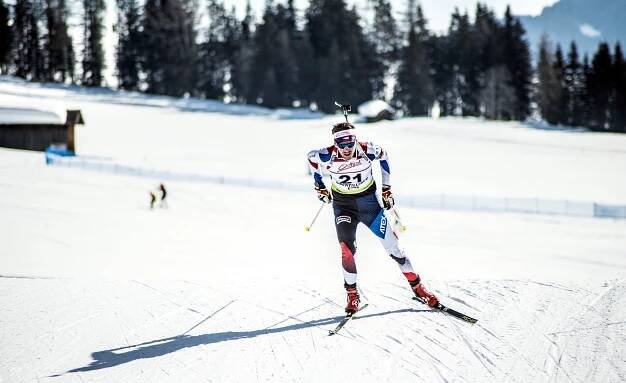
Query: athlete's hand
x=323, y=194
x=388, y=201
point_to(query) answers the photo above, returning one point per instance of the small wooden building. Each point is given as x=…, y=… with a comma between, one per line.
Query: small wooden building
x=34, y=129
x=376, y=110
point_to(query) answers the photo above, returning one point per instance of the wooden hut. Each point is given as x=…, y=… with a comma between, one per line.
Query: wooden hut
x=376, y=110
x=36, y=129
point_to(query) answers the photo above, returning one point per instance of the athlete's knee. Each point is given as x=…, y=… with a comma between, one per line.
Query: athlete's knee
x=394, y=249
x=347, y=244
x=347, y=257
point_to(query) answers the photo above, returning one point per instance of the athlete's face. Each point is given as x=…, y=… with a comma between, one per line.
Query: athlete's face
x=346, y=145
x=347, y=152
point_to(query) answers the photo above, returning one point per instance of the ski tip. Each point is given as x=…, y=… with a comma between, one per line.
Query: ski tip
x=441, y=307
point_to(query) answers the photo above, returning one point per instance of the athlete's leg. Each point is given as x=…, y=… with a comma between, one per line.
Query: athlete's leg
x=345, y=223
x=373, y=215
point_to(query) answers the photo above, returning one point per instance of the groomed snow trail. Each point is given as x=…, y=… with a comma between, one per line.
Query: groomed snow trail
x=110, y=331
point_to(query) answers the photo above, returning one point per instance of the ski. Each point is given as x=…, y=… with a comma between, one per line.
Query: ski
x=345, y=320
x=450, y=311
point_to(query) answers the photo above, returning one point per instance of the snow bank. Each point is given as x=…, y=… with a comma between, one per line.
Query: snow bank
x=15, y=91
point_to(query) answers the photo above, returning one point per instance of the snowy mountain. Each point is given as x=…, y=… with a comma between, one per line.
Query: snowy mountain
x=225, y=285
x=588, y=22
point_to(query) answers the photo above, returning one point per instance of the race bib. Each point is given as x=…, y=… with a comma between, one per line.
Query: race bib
x=351, y=177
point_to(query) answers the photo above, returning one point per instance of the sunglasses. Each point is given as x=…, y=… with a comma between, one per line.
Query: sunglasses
x=347, y=142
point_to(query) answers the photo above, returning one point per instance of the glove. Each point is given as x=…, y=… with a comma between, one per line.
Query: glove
x=388, y=201
x=323, y=194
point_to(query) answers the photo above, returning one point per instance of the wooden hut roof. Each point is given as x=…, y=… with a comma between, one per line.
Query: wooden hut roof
x=18, y=116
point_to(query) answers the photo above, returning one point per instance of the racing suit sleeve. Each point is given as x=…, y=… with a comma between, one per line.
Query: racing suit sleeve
x=317, y=158
x=375, y=152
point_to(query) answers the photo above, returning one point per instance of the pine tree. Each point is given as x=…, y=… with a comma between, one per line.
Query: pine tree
x=442, y=73
x=5, y=38
x=586, y=113
x=28, y=55
x=247, y=22
x=618, y=100
x=37, y=56
x=463, y=59
x=599, y=84
x=284, y=61
x=549, y=87
x=274, y=78
x=384, y=35
x=169, y=49
x=57, y=41
x=414, y=91
x=559, y=72
x=93, y=51
x=486, y=37
x=497, y=96
x=128, y=58
x=347, y=70
x=20, y=27
x=303, y=63
x=70, y=65
x=263, y=80
x=574, y=81
x=213, y=54
x=243, y=59
x=517, y=61
x=308, y=71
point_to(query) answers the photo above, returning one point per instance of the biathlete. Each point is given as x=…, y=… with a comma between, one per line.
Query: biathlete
x=353, y=195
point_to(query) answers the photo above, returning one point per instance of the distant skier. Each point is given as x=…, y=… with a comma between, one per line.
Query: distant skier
x=349, y=163
x=152, y=200
x=163, y=196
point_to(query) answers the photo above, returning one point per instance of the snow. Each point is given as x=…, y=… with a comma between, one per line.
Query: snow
x=15, y=115
x=225, y=285
x=20, y=109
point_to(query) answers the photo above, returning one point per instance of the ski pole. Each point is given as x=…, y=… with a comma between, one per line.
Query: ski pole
x=308, y=228
x=402, y=227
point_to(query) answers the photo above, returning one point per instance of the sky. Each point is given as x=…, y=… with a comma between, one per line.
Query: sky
x=437, y=12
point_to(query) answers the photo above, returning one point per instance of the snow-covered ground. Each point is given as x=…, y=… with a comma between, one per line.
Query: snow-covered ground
x=226, y=286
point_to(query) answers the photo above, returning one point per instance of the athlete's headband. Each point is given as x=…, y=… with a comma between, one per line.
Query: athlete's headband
x=344, y=133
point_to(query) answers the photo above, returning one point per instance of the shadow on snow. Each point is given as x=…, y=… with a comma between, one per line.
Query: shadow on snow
x=160, y=347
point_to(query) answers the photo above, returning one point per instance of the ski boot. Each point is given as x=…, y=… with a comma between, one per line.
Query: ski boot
x=424, y=295
x=353, y=300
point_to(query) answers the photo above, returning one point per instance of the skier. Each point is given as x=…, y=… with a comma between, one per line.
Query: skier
x=163, y=202
x=349, y=163
x=152, y=200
